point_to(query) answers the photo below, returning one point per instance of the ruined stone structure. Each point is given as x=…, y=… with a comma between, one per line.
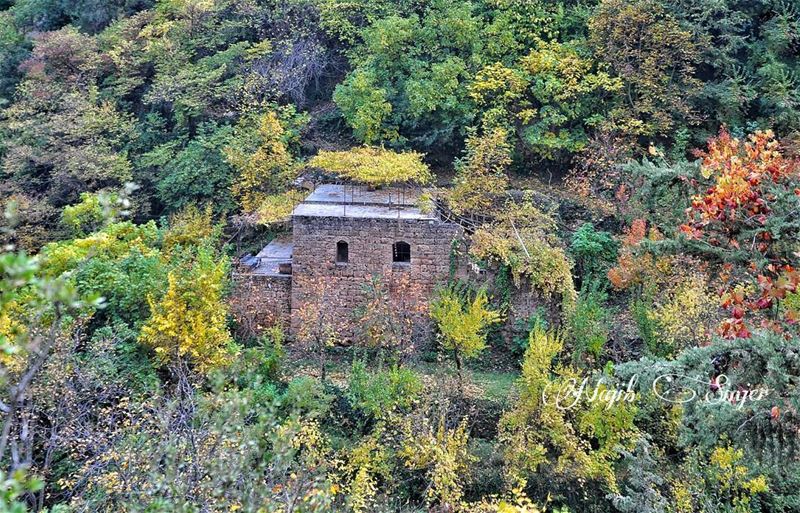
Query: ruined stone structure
x=342, y=237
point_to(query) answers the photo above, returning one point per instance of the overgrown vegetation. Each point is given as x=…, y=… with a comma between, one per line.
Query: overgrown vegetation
x=144, y=144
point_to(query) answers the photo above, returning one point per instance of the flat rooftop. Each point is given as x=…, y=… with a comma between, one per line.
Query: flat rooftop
x=331, y=200
x=351, y=194
x=277, y=252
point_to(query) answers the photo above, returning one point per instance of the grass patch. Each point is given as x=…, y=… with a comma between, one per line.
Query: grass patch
x=496, y=386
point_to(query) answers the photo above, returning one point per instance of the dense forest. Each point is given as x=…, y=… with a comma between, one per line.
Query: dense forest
x=634, y=164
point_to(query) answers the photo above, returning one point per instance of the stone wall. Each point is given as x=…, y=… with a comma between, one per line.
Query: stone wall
x=523, y=302
x=340, y=286
x=259, y=301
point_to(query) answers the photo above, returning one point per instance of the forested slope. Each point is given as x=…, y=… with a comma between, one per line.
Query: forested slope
x=636, y=164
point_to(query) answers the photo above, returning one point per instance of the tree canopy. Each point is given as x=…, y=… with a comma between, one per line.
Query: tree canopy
x=613, y=328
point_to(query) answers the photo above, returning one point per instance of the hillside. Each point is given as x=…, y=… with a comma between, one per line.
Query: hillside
x=400, y=256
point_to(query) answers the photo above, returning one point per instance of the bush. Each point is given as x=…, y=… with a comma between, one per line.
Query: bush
x=593, y=251
x=90, y=214
x=382, y=391
x=589, y=324
x=306, y=396
x=271, y=347
x=259, y=368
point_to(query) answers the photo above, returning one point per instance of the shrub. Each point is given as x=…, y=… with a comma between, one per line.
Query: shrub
x=683, y=314
x=574, y=440
x=589, y=324
x=382, y=391
x=259, y=367
x=93, y=211
x=306, y=396
x=593, y=250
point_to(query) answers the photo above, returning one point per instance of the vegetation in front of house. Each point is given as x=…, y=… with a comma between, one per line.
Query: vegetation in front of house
x=627, y=173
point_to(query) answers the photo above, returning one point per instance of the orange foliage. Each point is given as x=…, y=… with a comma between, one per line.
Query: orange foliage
x=633, y=266
x=748, y=207
x=739, y=197
x=772, y=290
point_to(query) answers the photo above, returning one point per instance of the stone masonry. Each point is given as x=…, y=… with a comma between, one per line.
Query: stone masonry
x=370, y=223
x=261, y=301
x=370, y=243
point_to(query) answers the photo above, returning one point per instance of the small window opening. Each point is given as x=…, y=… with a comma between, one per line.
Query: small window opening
x=401, y=252
x=342, y=253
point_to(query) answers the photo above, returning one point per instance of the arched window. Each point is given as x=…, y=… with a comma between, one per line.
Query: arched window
x=342, y=253
x=401, y=252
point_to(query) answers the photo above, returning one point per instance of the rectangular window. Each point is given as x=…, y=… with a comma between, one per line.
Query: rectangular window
x=342, y=252
x=401, y=252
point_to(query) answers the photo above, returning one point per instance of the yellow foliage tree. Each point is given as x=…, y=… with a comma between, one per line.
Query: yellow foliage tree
x=684, y=314
x=190, y=320
x=481, y=173
x=266, y=171
x=375, y=166
x=556, y=423
x=189, y=228
x=366, y=465
x=12, y=332
x=462, y=323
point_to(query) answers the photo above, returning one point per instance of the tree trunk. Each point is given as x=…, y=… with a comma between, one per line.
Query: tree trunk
x=321, y=362
x=457, y=358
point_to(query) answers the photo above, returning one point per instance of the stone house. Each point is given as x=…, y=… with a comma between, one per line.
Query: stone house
x=342, y=238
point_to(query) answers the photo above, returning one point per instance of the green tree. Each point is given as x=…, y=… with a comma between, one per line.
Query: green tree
x=716, y=378
x=594, y=251
x=589, y=324
x=61, y=138
x=749, y=67
x=195, y=170
x=550, y=98
x=409, y=82
x=14, y=48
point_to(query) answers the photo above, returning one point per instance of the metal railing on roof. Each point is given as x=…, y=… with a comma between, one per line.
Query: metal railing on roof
x=470, y=223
